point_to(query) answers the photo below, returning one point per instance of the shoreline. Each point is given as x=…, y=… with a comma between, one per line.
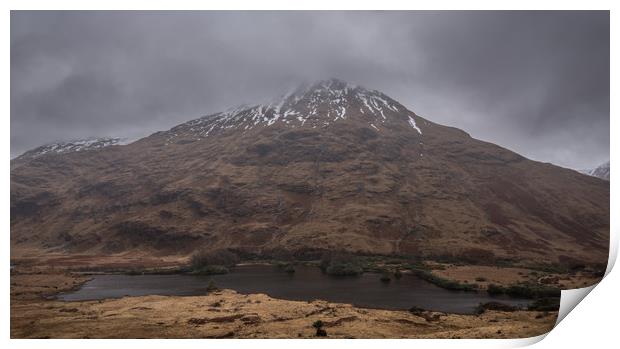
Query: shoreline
x=228, y=314
x=457, y=277
x=227, y=289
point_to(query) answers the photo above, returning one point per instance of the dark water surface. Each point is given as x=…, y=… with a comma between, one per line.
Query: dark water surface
x=306, y=284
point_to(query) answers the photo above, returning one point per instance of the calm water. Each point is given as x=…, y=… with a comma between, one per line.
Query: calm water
x=307, y=284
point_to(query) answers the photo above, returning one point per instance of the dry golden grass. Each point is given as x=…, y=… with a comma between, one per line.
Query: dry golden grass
x=485, y=275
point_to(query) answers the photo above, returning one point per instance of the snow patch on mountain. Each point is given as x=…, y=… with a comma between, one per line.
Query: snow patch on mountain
x=71, y=146
x=413, y=124
x=602, y=171
x=309, y=105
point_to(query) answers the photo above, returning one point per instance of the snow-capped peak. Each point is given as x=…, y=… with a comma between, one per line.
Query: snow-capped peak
x=602, y=171
x=75, y=145
x=313, y=105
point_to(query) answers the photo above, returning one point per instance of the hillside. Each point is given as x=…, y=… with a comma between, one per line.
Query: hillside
x=328, y=166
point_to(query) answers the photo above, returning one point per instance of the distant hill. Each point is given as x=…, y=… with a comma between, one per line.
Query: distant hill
x=601, y=171
x=70, y=146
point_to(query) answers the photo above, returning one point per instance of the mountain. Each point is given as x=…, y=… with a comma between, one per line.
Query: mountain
x=602, y=171
x=70, y=146
x=329, y=165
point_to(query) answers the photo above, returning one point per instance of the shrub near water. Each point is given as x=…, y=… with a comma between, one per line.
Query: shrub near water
x=211, y=270
x=206, y=262
x=545, y=304
x=212, y=286
x=495, y=306
x=341, y=264
x=525, y=291
x=444, y=283
x=385, y=278
x=494, y=290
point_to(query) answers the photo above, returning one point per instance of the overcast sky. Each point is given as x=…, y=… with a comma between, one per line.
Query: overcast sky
x=534, y=82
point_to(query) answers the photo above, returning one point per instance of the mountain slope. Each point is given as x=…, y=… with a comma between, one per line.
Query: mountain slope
x=328, y=166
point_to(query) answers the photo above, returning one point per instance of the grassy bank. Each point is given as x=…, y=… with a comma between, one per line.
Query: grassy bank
x=443, y=283
x=529, y=291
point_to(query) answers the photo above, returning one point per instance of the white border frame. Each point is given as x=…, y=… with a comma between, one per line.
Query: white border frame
x=593, y=322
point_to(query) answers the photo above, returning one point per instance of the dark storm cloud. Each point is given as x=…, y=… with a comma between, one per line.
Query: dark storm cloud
x=535, y=82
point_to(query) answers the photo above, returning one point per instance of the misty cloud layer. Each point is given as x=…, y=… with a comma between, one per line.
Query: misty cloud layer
x=534, y=82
